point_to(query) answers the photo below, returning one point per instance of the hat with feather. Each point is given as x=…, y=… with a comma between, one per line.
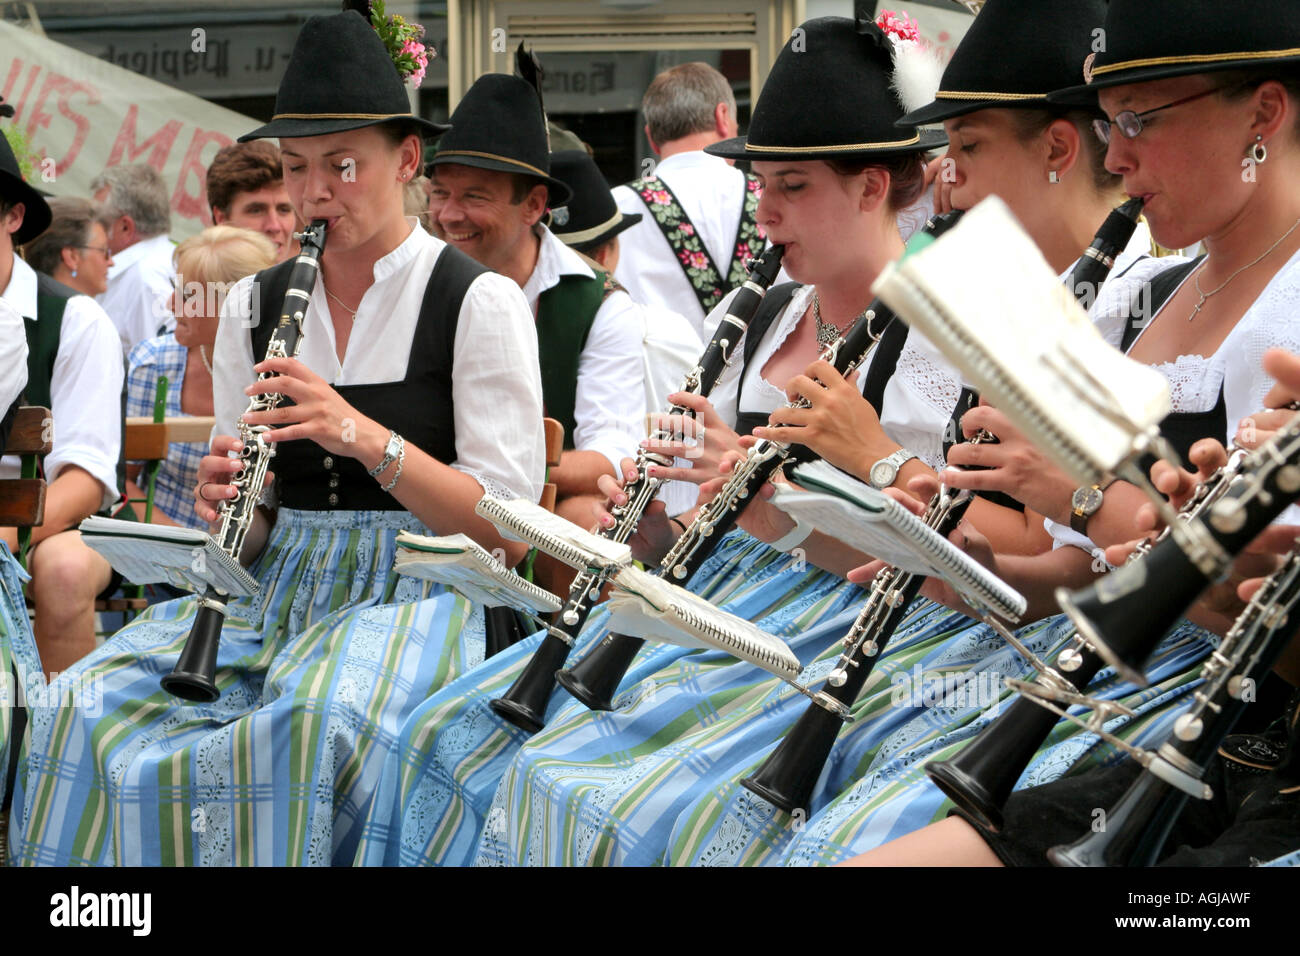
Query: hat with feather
x=500, y=124
x=1013, y=55
x=836, y=91
x=341, y=76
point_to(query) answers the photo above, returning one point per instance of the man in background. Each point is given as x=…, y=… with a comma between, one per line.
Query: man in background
x=698, y=223
x=246, y=189
x=137, y=218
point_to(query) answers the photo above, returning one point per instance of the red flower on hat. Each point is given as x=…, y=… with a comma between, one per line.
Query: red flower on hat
x=903, y=27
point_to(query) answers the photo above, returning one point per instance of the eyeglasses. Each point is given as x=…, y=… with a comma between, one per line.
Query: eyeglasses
x=102, y=250
x=1130, y=124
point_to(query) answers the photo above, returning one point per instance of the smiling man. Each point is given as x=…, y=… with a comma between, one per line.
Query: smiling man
x=491, y=186
x=246, y=189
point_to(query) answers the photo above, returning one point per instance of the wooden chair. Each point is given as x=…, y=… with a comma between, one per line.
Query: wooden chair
x=554, y=432
x=22, y=499
x=147, y=440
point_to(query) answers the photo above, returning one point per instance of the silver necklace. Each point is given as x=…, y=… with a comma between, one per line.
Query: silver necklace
x=351, y=312
x=827, y=332
x=203, y=354
x=1205, y=295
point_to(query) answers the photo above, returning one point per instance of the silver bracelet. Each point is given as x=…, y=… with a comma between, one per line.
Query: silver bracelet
x=401, y=460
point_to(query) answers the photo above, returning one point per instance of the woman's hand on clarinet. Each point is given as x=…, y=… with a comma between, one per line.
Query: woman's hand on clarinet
x=701, y=440
x=838, y=424
x=655, y=532
x=1011, y=465
x=318, y=413
x=216, y=470
x=760, y=518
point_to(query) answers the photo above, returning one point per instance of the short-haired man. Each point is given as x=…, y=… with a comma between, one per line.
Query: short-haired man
x=137, y=218
x=490, y=189
x=73, y=368
x=698, y=226
x=246, y=189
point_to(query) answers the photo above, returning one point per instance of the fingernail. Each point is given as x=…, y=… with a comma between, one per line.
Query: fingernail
x=622, y=499
x=645, y=443
x=652, y=472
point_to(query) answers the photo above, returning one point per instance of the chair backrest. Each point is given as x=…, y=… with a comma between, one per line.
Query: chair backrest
x=147, y=440
x=22, y=500
x=554, y=431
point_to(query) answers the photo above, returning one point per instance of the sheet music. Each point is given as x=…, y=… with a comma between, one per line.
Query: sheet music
x=869, y=520
x=460, y=562
x=526, y=521
x=645, y=605
x=984, y=295
x=152, y=554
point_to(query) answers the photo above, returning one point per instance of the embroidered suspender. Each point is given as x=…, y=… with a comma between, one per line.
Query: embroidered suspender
x=706, y=279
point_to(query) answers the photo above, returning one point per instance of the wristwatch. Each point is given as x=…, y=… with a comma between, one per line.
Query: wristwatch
x=885, y=471
x=394, y=448
x=1086, y=502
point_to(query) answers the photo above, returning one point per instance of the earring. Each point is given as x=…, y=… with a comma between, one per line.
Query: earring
x=1259, y=152
x=1053, y=177
x=74, y=273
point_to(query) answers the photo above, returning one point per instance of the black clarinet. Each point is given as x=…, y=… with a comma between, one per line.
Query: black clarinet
x=524, y=704
x=1139, y=824
x=1122, y=618
x=194, y=676
x=975, y=783
x=790, y=773
x=594, y=680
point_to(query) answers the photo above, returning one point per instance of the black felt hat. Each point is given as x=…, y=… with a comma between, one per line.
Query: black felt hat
x=591, y=217
x=339, y=77
x=1158, y=39
x=499, y=125
x=13, y=188
x=829, y=96
x=1013, y=55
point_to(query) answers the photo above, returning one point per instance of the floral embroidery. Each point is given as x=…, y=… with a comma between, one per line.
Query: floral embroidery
x=703, y=274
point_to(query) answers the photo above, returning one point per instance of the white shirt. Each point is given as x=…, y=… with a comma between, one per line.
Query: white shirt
x=85, y=389
x=918, y=399
x=140, y=286
x=670, y=347
x=496, y=385
x=1235, y=366
x=609, y=409
x=13, y=355
x=712, y=194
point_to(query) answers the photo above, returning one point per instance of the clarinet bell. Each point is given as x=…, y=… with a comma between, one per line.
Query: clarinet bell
x=194, y=676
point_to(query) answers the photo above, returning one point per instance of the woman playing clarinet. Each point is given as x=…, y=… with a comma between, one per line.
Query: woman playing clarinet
x=415, y=391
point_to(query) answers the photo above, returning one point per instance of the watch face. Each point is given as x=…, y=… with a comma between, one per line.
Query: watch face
x=882, y=473
x=1086, y=500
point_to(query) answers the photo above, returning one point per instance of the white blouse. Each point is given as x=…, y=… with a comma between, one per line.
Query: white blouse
x=1195, y=380
x=496, y=386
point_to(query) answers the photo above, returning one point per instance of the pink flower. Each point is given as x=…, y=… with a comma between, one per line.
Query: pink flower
x=904, y=27
x=754, y=186
x=698, y=260
x=660, y=197
x=743, y=249
x=685, y=257
x=687, y=229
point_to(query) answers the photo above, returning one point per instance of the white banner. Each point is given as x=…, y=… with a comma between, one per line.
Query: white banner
x=81, y=114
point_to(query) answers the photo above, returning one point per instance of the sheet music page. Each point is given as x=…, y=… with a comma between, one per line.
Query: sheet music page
x=647, y=606
x=839, y=505
x=984, y=295
x=460, y=562
x=529, y=522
